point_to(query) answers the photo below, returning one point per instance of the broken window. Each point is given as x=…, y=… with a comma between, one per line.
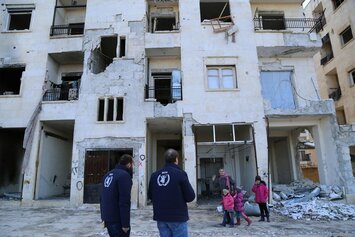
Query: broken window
x=10, y=80
x=272, y=20
x=277, y=88
x=104, y=55
x=167, y=87
x=19, y=16
x=221, y=77
x=110, y=109
x=346, y=35
x=212, y=10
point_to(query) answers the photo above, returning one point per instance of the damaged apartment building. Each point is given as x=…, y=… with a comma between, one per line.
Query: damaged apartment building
x=227, y=83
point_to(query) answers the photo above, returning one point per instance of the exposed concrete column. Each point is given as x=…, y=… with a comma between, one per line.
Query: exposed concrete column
x=261, y=149
x=29, y=180
x=189, y=150
x=77, y=175
x=141, y=164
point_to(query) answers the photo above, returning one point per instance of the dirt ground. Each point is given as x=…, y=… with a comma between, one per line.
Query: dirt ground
x=85, y=221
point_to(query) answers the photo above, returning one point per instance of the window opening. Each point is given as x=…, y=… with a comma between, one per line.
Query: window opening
x=352, y=77
x=352, y=158
x=101, y=110
x=110, y=109
x=346, y=35
x=10, y=80
x=119, y=109
x=272, y=21
x=221, y=77
x=337, y=3
x=103, y=56
x=19, y=19
x=212, y=10
x=122, y=47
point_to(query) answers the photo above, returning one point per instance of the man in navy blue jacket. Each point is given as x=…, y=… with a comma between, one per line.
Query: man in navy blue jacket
x=115, y=200
x=170, y=190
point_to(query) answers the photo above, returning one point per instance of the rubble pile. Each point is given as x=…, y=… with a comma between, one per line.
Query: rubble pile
x=307, y=200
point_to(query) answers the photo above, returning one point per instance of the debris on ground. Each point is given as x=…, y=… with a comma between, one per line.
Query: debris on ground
x=11, y=196
x=307, y=200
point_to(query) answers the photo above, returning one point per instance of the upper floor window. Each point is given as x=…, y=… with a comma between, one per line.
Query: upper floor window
x=352, y=77
x=337, y=3
x=110, y=109
x=10, y=80
x=19, y=16
x=346, y=35
x=221, y=77
x=215, y=9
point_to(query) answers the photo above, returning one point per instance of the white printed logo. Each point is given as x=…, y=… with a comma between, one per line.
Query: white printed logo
x=108, y=180
x=163, y=179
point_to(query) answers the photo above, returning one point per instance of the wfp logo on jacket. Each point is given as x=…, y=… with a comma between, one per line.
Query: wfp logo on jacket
x=163, y=179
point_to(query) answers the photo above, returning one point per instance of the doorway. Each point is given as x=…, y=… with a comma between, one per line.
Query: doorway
x=97, y=164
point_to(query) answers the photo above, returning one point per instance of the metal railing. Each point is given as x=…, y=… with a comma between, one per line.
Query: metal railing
x=285, y=23
x=56, y=94
x=164, y=94
x=75, y=29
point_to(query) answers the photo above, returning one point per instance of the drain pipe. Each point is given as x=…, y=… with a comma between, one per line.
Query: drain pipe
x=268, y=158
x=255, y=154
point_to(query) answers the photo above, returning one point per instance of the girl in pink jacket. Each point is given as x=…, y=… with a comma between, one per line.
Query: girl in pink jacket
x=261, y=195
x=239, y=206
x=228, y=207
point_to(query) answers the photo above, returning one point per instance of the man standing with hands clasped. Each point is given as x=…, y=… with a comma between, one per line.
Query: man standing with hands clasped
x=170, y=190
x=115, y=200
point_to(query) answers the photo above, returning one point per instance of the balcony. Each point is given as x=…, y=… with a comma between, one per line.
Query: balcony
x=164, y=95
x=58, y=94
x=262, y=23
x=71, y=29
x=324, y=60
x=286, y=37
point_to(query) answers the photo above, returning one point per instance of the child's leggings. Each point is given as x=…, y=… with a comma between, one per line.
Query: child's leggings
x=263, y=210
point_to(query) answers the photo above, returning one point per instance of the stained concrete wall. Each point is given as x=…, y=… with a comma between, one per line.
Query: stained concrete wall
x=344, y=60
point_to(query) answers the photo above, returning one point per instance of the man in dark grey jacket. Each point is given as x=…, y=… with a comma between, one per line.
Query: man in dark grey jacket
x=115, y=200
x=170, y=190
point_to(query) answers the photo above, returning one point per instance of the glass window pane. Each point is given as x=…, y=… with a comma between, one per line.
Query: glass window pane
x=213, y=82
x=212, y=72
x=228, y=82
x=227, y=72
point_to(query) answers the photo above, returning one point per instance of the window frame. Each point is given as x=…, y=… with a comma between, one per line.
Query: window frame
x=115, y=117
x=341, y=35
x=220, y=68
x=14, y=9
x=352, y=77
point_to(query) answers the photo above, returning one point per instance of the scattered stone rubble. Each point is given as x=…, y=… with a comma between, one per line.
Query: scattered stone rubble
x=307, y=200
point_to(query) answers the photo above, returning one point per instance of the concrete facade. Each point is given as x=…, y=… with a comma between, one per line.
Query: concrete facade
x=144, y=76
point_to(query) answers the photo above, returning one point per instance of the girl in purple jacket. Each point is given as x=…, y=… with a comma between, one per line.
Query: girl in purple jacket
x=261, y=195
x=239, y=206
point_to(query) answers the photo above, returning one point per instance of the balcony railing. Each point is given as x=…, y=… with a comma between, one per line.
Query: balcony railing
x=164, y=95
x=71, y=29
x=56, y=94
x=285, y=23
x=336, y=94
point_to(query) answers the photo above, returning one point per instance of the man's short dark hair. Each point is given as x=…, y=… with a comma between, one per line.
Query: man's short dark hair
x=125, y=159
x=171, y=155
